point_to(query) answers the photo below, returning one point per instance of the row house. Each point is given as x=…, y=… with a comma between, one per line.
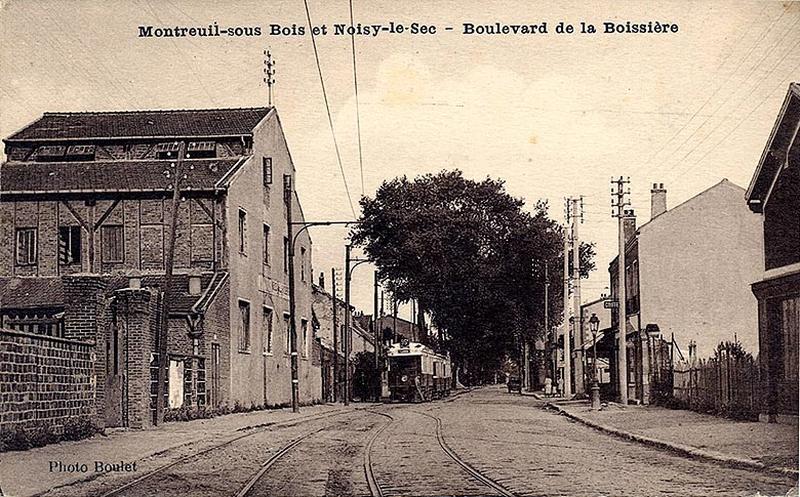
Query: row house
x=85, y=214
x=331, y=335
x=686, y=277
x=774, y=193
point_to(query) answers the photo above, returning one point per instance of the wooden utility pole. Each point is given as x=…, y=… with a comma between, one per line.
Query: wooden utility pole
x=269, y=74
x=567, y=377
x=347, y=324
x=619, y=203
x=335, y=337
x=577, y=219
x=375, y=333
x=547, y=308
x=289, y=199
x=176, y=174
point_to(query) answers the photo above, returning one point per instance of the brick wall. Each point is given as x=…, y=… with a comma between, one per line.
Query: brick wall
x=44, y=379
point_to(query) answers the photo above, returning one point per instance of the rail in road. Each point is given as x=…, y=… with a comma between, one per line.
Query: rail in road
x=132, y=488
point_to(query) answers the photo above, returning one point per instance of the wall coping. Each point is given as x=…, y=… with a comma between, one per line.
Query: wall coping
x=44, y=337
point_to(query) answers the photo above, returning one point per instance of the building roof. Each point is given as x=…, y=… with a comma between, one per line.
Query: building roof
x=661, y=218
x=141, y=124
x=108, y=176
x=781, y=139
x=31, y=293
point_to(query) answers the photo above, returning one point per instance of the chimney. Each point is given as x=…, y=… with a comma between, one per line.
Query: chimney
x=658, y=200
x=322, y=280
x=629, y=223
x=195, y=287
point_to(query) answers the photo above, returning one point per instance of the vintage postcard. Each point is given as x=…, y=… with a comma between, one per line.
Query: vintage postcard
x=422, y=248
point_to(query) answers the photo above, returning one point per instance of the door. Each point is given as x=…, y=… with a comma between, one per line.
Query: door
x=114, y=378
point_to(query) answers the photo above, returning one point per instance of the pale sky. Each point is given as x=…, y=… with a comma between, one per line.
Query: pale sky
x=552, y=114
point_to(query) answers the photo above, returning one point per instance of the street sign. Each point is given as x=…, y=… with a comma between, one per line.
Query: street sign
x=611, y=304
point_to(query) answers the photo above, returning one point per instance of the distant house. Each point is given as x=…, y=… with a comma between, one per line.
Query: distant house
x=332, y=339
x=85, y=209
x=687, y=272
x=774, y=193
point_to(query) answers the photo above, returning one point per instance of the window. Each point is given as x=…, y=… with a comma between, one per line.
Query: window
x=242, y=231
x=342, y=336
x=201, y=382
x=111, y=243
x=201, y=150
x=267, y=331
x=69, y=245
x=302, y=263
x=80, y=152
x=285, y=255
x=266, y=245
x=266, y=163
x=26, y=246
x=167, y=150
x=304, y=328
x=287, y=332
x=244, y=326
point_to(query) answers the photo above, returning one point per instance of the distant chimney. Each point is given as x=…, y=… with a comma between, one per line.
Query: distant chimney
x=135, y=279
x=195, y=287
x=629, y=222
x=322, y=280
x=658, y=200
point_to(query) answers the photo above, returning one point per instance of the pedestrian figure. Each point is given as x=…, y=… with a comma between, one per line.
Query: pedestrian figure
x=560, y=386
x=548, y=386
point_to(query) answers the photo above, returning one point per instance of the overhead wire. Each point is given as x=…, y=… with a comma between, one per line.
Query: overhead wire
x=355, y=86
x=727, y=99
x=328, y=109
x=722, y=85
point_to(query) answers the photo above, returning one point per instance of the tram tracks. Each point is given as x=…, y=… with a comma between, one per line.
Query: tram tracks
x=130, y=487
x=259, y=481
x=374, y=486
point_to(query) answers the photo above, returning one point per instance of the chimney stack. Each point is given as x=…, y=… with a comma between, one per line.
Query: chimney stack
x=195, y=282
x=658, y=200
x=629, y=223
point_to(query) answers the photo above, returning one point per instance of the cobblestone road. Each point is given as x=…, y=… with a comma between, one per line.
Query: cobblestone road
x=510, y=443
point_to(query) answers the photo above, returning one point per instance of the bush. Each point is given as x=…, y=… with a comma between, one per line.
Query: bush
x=42, y=433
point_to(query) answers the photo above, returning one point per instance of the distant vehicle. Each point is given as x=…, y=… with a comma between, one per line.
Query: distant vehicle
x=514, y=384
x=417, y=373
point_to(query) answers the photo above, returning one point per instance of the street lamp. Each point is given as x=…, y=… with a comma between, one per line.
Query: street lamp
x=594, y=325
x=293, y=235
x=348, y=275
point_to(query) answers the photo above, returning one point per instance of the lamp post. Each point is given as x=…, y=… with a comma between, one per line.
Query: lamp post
x=293, y=235
x=348, y=275
x=594, y=388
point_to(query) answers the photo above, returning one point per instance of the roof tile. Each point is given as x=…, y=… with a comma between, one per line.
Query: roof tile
x=150, y=124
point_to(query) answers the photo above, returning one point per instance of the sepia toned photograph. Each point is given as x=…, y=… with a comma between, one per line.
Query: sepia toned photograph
x=362, y=248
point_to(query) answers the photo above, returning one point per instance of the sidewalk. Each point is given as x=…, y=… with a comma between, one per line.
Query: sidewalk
x=753, y=445
x=28, y=472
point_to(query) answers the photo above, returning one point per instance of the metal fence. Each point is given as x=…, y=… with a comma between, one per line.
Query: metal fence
x=726, y=384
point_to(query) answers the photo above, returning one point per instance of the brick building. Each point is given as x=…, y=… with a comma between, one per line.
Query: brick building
x=774, y=193
x=85, y=212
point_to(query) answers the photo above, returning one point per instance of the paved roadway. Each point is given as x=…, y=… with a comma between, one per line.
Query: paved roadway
x=485, y=442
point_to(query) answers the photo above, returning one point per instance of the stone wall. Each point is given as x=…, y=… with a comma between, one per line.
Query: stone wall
x=44, y=378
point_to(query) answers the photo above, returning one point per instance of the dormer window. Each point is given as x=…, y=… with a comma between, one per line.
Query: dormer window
x=51, y=153
x=80, y=152
x=166, y=151
x=202, y=150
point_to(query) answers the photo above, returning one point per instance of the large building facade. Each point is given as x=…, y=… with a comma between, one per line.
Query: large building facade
x=686, y=276
x=774, y=193
x=85, y=216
